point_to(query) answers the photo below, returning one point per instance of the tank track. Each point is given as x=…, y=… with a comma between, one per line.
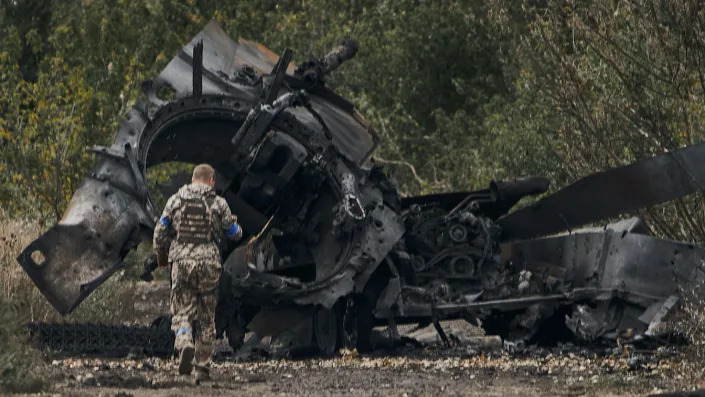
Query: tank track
x=114, y=340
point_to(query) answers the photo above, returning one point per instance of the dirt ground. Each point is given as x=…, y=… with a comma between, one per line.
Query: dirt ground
x=350, y=375
x=430, y=371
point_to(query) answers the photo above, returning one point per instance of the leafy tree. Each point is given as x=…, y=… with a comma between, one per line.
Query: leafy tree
x=48, y=153
x=615, y=82
x=424, y=76
x=460, y=91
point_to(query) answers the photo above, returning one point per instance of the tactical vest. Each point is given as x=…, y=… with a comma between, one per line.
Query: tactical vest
x=196, y=221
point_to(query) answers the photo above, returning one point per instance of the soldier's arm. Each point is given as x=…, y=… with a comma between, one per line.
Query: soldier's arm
x=232, y=229
x=164, y=229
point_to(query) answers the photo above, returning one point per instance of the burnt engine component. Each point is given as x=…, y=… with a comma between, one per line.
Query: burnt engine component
x=333, y=250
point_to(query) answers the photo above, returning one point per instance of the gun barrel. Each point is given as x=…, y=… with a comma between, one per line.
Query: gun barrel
x=342, y=52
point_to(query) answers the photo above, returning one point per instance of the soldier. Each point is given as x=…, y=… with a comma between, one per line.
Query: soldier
x=195, y=216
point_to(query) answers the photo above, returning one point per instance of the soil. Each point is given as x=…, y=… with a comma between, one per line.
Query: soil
x=351, y=375
x=463, y=370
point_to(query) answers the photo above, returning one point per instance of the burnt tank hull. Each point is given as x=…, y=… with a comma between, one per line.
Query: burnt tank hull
x=331, y=246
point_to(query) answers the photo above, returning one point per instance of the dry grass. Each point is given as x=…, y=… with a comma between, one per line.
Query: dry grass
x=16, y=285
x=113, y=301
x=691, y=320
x=21, y=303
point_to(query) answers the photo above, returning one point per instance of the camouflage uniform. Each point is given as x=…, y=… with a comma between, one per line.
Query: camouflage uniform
x=195, y=270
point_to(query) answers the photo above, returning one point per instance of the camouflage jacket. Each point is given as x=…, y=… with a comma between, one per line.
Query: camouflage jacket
x=222, y=223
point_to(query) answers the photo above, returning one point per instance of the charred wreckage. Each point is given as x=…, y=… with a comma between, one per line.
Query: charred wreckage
x=333, y=250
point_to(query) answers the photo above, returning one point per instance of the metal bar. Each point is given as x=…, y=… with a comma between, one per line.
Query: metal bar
x=500, y=304
x=198, y=69
x=610, y=193
x=279, y=71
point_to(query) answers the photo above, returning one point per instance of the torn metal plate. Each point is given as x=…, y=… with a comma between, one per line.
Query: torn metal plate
x=112, y=211
x=643, y=268
x=610, y=193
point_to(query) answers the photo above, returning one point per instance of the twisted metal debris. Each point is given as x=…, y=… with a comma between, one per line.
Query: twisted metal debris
x=333, y=249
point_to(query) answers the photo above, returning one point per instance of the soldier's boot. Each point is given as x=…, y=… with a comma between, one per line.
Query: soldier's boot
x=186, y=360
x=183, y=343
x=201, y=375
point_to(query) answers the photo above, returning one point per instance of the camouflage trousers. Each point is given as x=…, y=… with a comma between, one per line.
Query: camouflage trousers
x=193, y=301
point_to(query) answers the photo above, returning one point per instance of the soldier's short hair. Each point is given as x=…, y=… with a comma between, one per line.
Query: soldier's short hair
x=203, y=172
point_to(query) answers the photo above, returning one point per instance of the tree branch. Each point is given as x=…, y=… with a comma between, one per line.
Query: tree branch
x=418, y=179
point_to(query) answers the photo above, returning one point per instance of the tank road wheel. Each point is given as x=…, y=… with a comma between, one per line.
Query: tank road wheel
x=356, y=324
x=236, y=335
x=325, y=330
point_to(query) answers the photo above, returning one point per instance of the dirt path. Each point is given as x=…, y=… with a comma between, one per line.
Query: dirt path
x=434, y=371
x=350, y=375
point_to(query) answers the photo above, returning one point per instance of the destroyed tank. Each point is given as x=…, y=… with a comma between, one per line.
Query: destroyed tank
x=332, y=250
